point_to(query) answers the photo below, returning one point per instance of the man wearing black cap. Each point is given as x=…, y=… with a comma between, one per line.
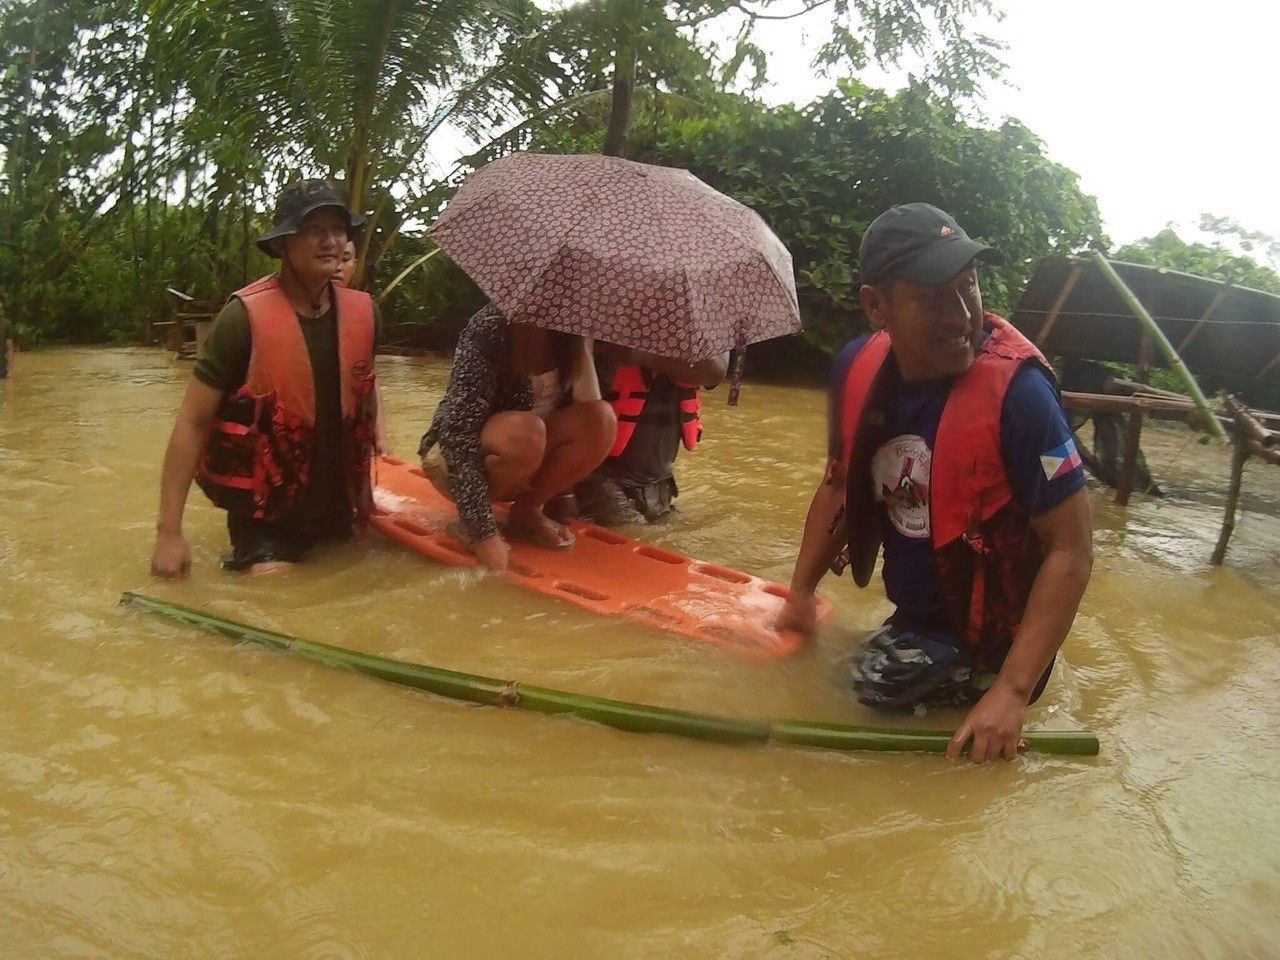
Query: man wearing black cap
x=949, y=447
x=278, y=421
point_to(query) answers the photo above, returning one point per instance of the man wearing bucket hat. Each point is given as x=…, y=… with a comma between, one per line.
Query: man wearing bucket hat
x=277, y=425
x=948, y=447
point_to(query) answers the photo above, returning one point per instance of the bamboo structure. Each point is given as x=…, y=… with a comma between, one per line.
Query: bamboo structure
x=619, y=714
x=1093, y=328
x=1133, y=431
x=1129, y=458
x=1239, y=456
x=1153, y=330
x=1249, y=438
x=1058, y=303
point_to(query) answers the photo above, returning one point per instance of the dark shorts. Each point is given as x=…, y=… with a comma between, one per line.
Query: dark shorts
x=611, y=502
x=260, y=541
x=901, y=668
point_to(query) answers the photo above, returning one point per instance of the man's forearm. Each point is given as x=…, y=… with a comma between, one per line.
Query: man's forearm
x=1051, y=609
x=824, y=536
x=180, y=461
x=704, y=373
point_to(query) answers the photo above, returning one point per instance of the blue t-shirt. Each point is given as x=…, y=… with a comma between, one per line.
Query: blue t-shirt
x=1040, y=458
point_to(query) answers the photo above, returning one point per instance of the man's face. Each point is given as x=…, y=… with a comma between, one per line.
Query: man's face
x=934, y=329
x=315, y=251
x=346, y=264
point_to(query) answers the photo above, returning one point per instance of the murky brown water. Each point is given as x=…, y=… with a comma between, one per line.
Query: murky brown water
x=166, y=794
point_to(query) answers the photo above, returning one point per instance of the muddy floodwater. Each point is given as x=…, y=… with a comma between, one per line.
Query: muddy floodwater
x=165, y=793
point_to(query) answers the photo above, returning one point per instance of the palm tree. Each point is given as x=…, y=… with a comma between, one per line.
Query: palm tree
x=359, y=90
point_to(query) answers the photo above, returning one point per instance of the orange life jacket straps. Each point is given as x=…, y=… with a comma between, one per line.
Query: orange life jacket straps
x=690, y=416
x=628, y=395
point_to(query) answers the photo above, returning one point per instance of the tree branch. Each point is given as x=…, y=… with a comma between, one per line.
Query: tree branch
x=756, y=15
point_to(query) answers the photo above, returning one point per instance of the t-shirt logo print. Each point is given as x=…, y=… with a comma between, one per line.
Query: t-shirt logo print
x=900, y=479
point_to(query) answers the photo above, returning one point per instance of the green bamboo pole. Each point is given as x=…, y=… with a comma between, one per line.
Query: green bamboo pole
x=1161, y=341
x=620, y=714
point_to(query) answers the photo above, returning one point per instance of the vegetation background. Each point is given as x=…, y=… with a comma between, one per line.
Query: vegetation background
x=142, y=142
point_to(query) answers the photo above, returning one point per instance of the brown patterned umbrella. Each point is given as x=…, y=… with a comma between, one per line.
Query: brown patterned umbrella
x=629, y=253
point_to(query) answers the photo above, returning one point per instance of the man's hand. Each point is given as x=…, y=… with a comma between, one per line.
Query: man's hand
x=994, y=725
x=799, y=614
x=492, y=552
x=171, y=556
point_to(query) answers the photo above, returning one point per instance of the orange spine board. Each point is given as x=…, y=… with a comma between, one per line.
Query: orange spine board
x=604, y=573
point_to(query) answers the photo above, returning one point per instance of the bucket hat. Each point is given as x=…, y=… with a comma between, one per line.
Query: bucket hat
x=297, y=200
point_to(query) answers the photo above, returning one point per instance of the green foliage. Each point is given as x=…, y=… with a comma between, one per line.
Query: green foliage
x=1166, y=249
x=143, y=140
x=1250, y=241
x=819, y=175
x=432, y=304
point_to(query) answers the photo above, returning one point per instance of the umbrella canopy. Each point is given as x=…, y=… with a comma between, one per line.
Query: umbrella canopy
x=629, y=253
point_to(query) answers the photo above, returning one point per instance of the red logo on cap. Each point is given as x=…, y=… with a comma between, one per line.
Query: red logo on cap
x=945, y=232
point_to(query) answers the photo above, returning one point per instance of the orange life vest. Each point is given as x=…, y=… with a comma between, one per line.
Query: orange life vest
x=629, y=395
x=257, y=458
x=985, y=552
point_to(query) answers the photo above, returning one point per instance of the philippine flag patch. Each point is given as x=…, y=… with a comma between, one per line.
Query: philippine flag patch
x=1060, y=461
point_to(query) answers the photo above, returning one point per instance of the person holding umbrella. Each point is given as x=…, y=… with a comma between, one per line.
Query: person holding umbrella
x=658, y=403
x=522, y=420
x=641, y=257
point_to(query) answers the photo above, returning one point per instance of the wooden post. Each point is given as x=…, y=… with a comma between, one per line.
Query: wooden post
x=1129, y=458
x=1239, y=454
x=1205, y=317
x=176, y=335
x=1133, y=429
x=1058, y=303
x=1268, y=368
x=1146, y=353
x=1246, y=424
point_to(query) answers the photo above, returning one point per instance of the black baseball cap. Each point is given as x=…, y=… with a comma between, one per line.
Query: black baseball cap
x=297, y=200
x=917, y=241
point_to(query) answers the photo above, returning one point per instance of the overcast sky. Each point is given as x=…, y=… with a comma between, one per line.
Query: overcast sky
x=1165, y=109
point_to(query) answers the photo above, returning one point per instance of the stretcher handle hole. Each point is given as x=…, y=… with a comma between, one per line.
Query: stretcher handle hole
x=417, y=472
x=720, y=573
x=577, y=590
x=521, y=570
x=412, y=526
x=777, y=590
x=662, y=556
x=604, y=536
x=393, y=461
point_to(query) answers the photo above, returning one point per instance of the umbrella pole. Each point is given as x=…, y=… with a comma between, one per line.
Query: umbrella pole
x=619, y=714
x=737, y=364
